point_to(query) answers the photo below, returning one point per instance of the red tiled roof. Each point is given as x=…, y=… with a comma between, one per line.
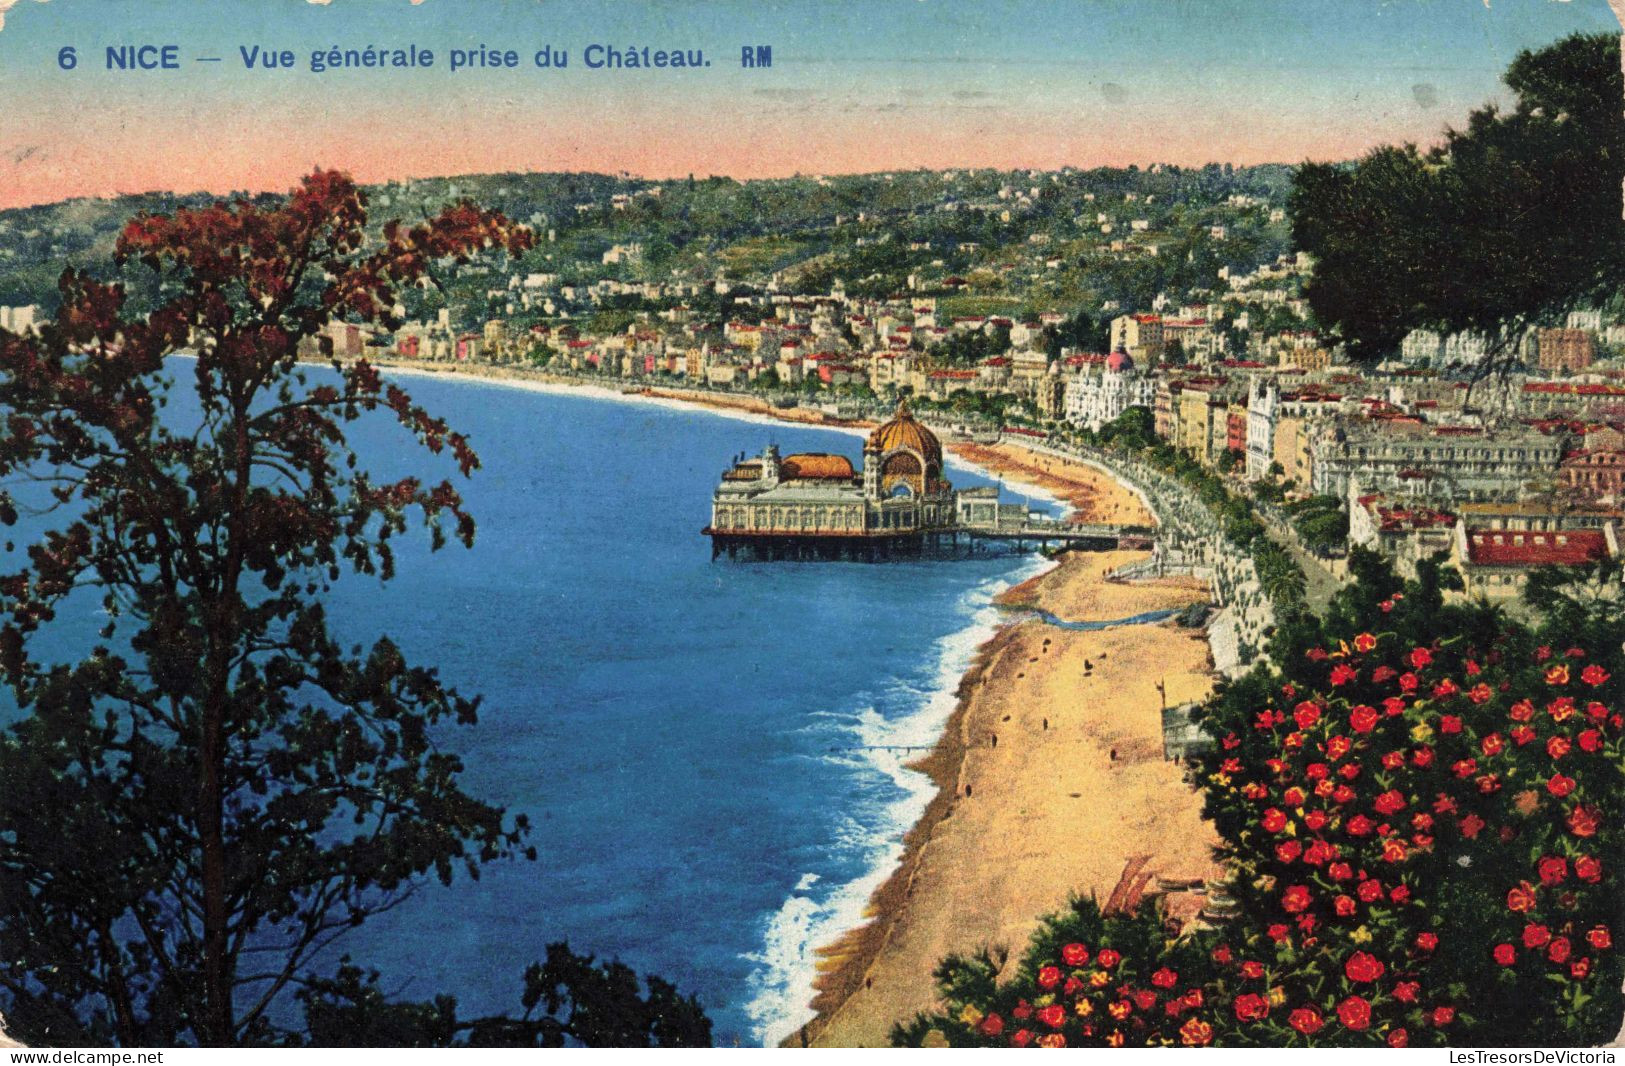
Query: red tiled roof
x=1518, y=547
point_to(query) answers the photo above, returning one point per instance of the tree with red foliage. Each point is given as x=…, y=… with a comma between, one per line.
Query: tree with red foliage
x=218, y=790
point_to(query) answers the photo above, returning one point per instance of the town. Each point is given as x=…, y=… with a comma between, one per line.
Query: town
x=1151, y=319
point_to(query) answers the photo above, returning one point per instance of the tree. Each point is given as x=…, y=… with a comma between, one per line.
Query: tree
x=1506, y=225
x=229, y=789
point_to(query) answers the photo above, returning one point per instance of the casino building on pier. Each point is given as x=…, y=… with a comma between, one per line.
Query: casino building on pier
x=815, y=505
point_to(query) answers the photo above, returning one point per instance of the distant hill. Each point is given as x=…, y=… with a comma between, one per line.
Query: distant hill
x=880, y=227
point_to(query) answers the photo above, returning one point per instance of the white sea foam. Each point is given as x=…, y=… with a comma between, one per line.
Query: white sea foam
x=786, y=966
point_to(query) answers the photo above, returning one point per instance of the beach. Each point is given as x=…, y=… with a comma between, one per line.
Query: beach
x=1050, y=774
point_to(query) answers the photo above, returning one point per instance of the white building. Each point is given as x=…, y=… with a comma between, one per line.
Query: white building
x=1098, y=395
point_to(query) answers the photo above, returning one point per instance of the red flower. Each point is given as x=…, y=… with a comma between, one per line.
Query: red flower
x=1252, y=969
x=1471, y=826
x=1580, y=969
x=1591, y=741
x=1583, y=821
x=1427, y=941
x=1420, y=657
x=1594, y=675
x=1251, y=1007
x=1344, y=906
x=1337, y=747
x=1521, y=899
x=1363, y=967
x=1523, y=735
x=1449, y=723
x=1053, y=1015
x=1073, y=986
x=1554, y=870
x=1364, y=643
x=1480, y=693
x=1295, y=899
x=1506, y=954
x=1165, y=978
x=1522, y=711
x=1465, y=768
x=1196, y=1033
x=1409, y=682
x=1279, y=931
x=1393, y=706
x=1389, y=802
x=1557, y=747
x=1355, y=1013
x=1399, y=1038
x=1561, y=709
x=1588, y=869
x=1288, y=851
x=1370, y=890
x=1443, y=1016
x=1221, y=954
x=1559, y=785
x=992, y=1025
x=1273, y=821
x=1342, y=674
x=1306, y=714
x=1108, y=958
x=1407, y=991
x=1393, y=850
x=1557, y=675
x=1600, y=938
x=1536, y=936
x=1049, y=977
x=1306, y=1020
x=1399, y=894
x=1422, y=757
x=1362, y=719
x=1558, y=951
x=1074, y=954
x=1056, y=1040
x=1021, y=1038
x=1492, y=744
x=1023, y=1009
x=1314, y=819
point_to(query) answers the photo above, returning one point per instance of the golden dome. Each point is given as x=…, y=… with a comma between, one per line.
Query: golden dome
x=816, y=466
x=904, y=432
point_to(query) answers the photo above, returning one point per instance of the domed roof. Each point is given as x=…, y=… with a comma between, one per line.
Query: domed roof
x=816, y=466
x=904, y=432
x=1119, y=360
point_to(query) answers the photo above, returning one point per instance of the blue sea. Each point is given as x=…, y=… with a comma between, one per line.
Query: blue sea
x=711, y=753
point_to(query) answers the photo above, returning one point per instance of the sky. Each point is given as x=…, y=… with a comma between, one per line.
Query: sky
x=854, y=86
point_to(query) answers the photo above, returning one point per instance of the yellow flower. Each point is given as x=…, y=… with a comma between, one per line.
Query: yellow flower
x=970, y=1015
x=1115, y=1040
x=1361, y=935
x=1100, y=978
x=1277, y=996
x=1422, y=733
x=1085, y=1008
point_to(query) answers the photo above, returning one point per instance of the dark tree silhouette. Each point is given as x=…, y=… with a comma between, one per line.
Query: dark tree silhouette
x=1507, y=225
x=219, y=790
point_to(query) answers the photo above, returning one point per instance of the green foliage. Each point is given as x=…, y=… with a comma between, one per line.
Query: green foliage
x=1420, y=815
x=1511, y=222
x=567, y=1000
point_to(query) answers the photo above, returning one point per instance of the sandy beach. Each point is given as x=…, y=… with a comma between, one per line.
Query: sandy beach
x=1051, y=776
x=1050, y=773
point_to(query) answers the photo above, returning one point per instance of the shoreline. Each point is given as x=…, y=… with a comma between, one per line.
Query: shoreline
x=964, y=878
x=1086, y=774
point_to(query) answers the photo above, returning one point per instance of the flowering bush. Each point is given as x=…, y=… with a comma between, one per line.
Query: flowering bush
x=1423, y=841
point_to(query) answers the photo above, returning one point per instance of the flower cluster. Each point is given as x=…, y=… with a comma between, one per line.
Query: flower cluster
x=1423, y=839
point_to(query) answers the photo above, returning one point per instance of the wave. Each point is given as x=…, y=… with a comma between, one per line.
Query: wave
x=817, y=913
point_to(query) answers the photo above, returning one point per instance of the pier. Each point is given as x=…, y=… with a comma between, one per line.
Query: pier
x=768, y=545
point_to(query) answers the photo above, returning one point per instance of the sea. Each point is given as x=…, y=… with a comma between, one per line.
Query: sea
x=712, y=754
